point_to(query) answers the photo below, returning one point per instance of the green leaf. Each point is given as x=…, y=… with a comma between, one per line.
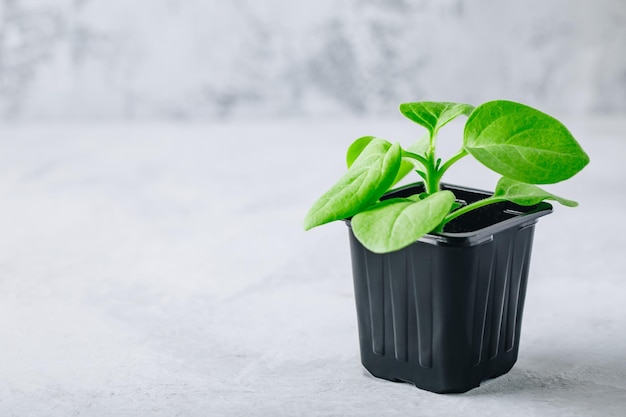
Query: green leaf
x=522, y=143
x=433, y=115
x=396, y=223
x=355, y=149
x=420, y=146
x=367, y=179
x=416, y=197
x=526, y=194
x=406, y=166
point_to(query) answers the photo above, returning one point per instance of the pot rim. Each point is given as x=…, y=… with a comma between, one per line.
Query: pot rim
x=520, y=220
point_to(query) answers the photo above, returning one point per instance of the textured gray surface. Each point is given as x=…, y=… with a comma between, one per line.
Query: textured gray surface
x=161, y=270
x=207, y=59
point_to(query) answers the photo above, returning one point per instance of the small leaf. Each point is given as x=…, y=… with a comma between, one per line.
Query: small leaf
x=417, y=197
x=407, y=164
x=394, y=224
x=433, y=115
x=367, y=179
x=355, y=149
x=526, y=194
x=522, y=143
x=420, y=146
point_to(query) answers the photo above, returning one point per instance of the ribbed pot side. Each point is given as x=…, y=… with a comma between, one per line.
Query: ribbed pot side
x=443, y=317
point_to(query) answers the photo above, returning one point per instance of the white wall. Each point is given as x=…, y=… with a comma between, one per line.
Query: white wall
x=207, y=59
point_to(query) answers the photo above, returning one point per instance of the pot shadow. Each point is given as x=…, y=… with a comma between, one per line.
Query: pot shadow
x=575, y=382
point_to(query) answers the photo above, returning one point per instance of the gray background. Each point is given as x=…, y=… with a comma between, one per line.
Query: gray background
x=209, y=59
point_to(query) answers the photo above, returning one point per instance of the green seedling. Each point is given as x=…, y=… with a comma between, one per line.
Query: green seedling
x=522, y=144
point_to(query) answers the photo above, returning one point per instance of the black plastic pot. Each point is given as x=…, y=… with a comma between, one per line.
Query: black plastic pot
x=445, y=312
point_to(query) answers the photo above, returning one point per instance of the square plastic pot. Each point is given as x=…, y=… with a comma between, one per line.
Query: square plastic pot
x=445, y=313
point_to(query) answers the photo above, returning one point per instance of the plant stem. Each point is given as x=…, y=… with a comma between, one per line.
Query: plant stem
x=433, y=175
x=460, y=154
x=430, y=180
x=470, y=207
x=415, y=156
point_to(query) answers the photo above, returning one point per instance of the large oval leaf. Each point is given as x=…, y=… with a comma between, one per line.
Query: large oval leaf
x=526, y=194
x=367, y=179
x=394, y=224
x=522, y=143
x=433, y=115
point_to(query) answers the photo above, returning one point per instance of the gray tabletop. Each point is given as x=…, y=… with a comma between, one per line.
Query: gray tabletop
x=162, y=270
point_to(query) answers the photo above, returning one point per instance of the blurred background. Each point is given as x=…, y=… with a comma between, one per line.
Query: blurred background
x=243, y=59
